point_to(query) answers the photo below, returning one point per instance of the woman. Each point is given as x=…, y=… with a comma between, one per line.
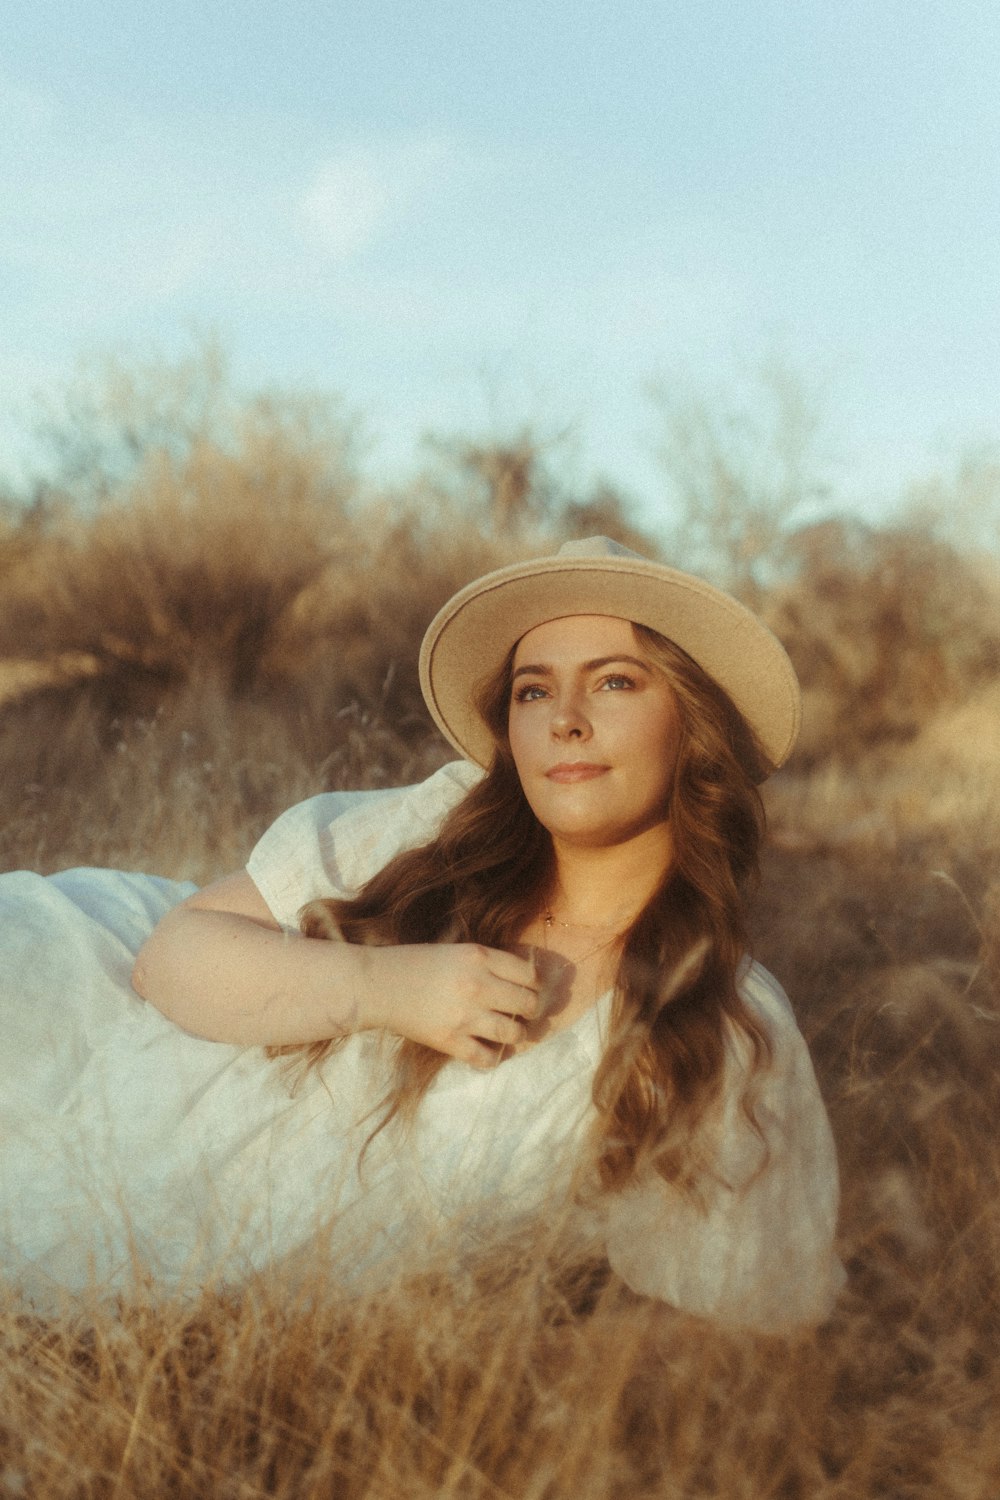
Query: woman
x=554, y=949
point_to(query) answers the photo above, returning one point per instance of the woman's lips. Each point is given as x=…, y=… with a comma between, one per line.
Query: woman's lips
x=577, y=770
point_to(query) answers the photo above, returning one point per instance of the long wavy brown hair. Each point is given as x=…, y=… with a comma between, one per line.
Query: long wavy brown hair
x=676, y=1003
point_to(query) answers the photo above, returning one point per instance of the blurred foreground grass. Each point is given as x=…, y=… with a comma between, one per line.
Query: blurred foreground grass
x=230, y=627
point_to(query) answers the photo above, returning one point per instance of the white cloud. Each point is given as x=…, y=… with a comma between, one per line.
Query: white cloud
x=26, y=112
x=365, y=192
x=346, y=206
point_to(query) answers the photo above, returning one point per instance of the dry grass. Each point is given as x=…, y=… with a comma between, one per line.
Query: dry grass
x=532, y=1374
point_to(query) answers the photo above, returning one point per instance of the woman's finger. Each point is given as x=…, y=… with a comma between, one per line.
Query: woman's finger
x=512, y=967
x=497, y=1027
x=520, y=975
x=480, y=1054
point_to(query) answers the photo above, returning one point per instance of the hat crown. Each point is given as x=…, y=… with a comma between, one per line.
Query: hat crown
x=596, y=546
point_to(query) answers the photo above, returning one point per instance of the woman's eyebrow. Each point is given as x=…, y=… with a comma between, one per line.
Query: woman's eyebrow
x=541, y=670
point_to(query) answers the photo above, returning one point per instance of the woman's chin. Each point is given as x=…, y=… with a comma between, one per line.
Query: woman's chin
x=598, y=831
x=583, y=833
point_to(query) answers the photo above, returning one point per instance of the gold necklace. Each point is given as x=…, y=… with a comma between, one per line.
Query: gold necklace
x=547, y=923
x=616, y=923
x=577, y=926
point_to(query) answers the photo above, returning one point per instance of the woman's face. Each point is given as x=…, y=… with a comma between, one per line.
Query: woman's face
x=594, y=730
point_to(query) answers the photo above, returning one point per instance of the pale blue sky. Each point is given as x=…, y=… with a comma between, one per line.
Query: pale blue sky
x=463, y=216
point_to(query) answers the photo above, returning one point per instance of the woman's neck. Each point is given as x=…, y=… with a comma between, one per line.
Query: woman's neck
x=602, y=886
x=595, y=895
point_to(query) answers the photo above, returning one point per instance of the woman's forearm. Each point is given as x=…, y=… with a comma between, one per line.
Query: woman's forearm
x=229, y=978
x=220, y=967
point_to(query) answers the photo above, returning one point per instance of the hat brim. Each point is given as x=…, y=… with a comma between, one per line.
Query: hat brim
x=469, y=638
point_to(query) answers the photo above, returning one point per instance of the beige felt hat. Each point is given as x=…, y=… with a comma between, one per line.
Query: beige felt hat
x=469, y=638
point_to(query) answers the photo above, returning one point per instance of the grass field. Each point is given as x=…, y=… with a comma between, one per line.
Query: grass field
x=194, y=657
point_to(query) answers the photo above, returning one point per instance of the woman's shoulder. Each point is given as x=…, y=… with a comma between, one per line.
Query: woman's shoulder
x=764, y=997
x=769, y=1005
x=332, y=843
x=787, y=1082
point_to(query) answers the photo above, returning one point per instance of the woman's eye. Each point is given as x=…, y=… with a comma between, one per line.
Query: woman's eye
x=618, y=680
x=530, y=693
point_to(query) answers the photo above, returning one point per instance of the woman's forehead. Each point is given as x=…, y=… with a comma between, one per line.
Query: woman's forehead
x=585, y=636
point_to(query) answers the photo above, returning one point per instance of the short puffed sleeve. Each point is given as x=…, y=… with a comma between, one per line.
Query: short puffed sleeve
x=758, y=1250
x=331, y=844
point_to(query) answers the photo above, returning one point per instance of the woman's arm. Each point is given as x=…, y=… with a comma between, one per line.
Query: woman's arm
x=221, y=967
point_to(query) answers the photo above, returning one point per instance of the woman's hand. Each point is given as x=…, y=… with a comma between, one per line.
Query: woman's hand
x=466, y=1000
x=219, y=966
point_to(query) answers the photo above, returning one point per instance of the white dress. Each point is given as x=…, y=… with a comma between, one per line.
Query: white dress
x=128, y=1146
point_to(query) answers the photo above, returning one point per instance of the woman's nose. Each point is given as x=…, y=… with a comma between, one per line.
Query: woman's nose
x=569, y=721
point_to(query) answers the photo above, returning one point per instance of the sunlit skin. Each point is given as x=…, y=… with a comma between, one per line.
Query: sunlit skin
x=594, y=731
x=594, y=734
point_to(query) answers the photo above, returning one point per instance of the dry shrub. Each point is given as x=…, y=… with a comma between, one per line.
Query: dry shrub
x=886, y=627
x=224, y=633
x=209, y=566
x=228, y=674
x=404, y=564
x=220, y=596
x=186, y=792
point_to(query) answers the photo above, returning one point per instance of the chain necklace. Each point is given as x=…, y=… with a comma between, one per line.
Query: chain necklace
x=549, y=921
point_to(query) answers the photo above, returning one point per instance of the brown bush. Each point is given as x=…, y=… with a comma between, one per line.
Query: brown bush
x=885, y=627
